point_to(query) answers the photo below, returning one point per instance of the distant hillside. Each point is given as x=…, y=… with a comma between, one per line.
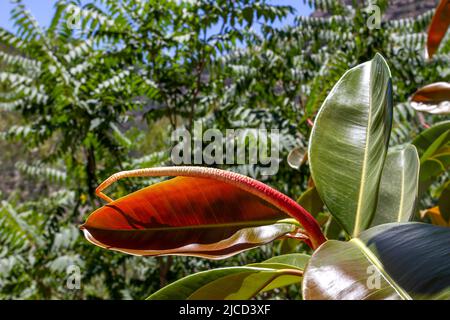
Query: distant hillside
x=398, y=9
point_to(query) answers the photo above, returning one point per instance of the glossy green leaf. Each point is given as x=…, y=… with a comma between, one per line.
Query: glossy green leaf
x=333, y=230
x=398, y=187
x=233, y=282
x=390, y=261
x=246, y=285
x=433, y=149
x=295, y=260
x=236, y=282
x=311, y=201
x=349, y=143
x=184, y=288
x=431, y=169
x=434, y=161
x=426, y=138
x=289, y=261
x=288, y=245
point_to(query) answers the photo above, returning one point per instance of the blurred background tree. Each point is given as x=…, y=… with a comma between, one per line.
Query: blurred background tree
x=102, y=88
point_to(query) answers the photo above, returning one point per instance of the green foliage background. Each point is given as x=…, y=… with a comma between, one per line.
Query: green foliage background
x=77, y=105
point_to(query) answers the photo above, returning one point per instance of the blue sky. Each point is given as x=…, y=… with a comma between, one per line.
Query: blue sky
x=43, y=10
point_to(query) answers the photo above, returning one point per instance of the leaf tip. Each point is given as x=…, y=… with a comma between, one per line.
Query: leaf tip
x=379, y=59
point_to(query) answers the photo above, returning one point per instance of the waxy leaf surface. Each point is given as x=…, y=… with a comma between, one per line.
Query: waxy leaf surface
x=311, y=201
x=399, y=186
x=349, y=143
x=434, y=161
x=236, y=282
x=427, y=137
x=187, y=216
x=399, y=261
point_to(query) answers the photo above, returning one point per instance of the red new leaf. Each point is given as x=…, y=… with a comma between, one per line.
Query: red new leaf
x=433, y=98
x=204, y=212
x=438, y=27
x=433, y=93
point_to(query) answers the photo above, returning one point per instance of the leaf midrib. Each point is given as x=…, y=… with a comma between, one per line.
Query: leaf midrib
x=402, y=188
x=255, y=223
x=356, y=228
x=377, y=263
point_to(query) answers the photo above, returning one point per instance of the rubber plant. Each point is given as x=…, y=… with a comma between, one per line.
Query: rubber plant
x=433, y=145
x=370, y=190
